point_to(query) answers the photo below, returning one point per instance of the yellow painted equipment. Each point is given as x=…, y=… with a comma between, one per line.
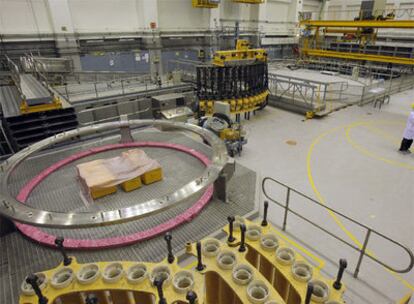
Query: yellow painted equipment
x=362, y=31
x=358, y=23
x=132, y=184
x=147, y=178
x=101, y=192
x=357, y=56
x=267, y=271
x=249, y=1
x=240, y=54
x=204, y=4
x=230, y=134
x=152, y=176
x=55, y=105
x=237, y=106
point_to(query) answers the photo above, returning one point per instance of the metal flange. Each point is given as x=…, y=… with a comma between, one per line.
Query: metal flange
x=16, y=210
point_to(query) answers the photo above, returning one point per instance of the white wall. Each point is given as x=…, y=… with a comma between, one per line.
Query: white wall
x=24, y=17
x=131, y=16
x=279, y=17
x=104, y=15
x=91, y=16
x=180, y=15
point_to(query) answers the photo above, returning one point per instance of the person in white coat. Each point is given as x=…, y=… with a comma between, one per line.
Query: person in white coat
x=408, y=135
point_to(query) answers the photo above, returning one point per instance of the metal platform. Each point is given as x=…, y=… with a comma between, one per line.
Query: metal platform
x=10, y=101
x=33, y=91
x=19, y=256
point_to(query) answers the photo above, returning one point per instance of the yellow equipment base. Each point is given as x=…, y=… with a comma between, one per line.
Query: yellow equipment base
x=152, y=176
x=132, y=184
x=147, y=178
x=269, y=271
x=98, y=193
x=26, y=109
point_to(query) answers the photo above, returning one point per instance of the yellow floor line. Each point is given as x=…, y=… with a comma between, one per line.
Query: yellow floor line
x=315, y=142
x=370, y=154
x=391, y=138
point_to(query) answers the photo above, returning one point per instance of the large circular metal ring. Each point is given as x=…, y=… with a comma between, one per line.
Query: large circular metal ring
x=15, y=210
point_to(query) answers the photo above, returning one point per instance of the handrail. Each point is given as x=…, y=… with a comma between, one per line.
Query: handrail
x=361, y=249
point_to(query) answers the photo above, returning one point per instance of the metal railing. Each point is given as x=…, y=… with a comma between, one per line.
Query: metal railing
x=91, y=90
x=368, y=230
x=316, y=94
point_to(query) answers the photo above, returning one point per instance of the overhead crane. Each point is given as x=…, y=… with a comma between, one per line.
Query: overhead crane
x=215, y=3
x=358, y=23
x=365, y=31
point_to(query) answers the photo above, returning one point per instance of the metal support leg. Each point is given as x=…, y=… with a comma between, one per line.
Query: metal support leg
x=361, y=256
x=126, y=135
x=286, y=209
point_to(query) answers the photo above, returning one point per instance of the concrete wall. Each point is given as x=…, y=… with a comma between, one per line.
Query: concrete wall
x=128, y=16
x=24, y=17
x=105, y=16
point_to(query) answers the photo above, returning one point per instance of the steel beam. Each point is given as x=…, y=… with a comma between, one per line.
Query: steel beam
x=359, y=23
x=358, y=56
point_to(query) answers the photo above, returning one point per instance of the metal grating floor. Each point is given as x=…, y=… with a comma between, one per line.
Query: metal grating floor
x=20, y=256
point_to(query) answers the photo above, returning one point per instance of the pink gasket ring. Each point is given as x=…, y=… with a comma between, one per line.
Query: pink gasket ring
x=47, y=239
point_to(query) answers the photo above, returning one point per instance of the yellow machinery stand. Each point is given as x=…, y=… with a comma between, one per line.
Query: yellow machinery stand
x=55, y=105
x=241, y=53
x=237, y=106
x=250, y=1
x=204, y=4
x=268, y=271
x=147, y=178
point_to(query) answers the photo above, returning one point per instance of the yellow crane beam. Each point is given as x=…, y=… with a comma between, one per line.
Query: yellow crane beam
x=341, y=31
x=358, y=56
x=359, y=23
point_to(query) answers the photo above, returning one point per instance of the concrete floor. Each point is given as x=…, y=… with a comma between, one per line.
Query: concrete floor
x=348, y=161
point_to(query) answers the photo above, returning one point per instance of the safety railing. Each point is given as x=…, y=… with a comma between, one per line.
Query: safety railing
x=368, y=230
x=76, y=92
x=318, y=95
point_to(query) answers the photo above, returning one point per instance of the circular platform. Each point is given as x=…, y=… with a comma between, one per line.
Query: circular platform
x=81, y=218
x=63, y=173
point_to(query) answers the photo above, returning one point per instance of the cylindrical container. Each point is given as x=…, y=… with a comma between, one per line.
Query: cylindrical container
x=183, y=281
x=161, y=272
x=226, y=259
x=88, y=274
x=285, y=256
x=269, y=242
x=27, y=288
x=257, y=292
x=137, y=273
x=302, y=271
x=62, y=278
x=242, y=274
x=237, y=221
x=253, y=232
x=113, y=272
x=210, y=247
x=321, y=291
